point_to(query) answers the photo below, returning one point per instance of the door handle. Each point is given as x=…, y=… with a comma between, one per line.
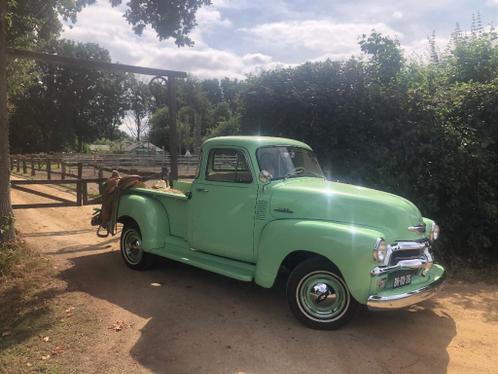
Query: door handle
x=202, y=189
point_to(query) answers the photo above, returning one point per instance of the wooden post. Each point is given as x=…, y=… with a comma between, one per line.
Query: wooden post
x=164, y=172
x=11, y=163
x=173, y=148
x=39, y=163
x=79, y=185
x=49, y=169
x=33, y=172
x=24, y=166
x=63, y=170
x=101, y=185
x=18, y=165
x=84, y=192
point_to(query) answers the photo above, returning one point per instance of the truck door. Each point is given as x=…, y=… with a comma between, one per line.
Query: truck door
x=222, y=205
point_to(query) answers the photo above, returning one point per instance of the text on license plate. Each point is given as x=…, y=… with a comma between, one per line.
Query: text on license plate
x=402, y=280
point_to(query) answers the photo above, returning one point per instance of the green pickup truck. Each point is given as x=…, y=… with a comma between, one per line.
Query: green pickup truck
x=261, y=205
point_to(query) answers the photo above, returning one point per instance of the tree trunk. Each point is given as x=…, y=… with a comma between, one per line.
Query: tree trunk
x=139, y=127
x=5, y=204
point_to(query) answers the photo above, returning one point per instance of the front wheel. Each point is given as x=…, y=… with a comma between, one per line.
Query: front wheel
x=318, y=295
x=131, y=248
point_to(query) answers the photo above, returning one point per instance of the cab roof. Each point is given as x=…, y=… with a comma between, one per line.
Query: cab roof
x=252, y=143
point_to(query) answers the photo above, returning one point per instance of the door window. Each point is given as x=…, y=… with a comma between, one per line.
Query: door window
x=228, y=165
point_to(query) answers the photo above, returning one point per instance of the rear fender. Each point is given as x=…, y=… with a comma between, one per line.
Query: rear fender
x=151, y=217
x=348, y=247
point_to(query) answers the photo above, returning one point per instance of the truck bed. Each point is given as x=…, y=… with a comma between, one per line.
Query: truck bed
x=175, y=205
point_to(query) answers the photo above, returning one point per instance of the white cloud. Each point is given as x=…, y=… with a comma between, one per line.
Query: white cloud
x=237, y=37
x=105, y=25
x=316, y=37
x=398, y=15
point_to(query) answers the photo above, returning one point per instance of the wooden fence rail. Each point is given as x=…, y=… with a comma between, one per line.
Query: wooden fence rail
x=63, y=165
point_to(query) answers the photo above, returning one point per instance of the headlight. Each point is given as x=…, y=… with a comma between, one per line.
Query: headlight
x=380, y=250
x=434, y=235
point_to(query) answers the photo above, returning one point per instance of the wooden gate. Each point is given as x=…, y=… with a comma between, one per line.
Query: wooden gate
x=44, y=165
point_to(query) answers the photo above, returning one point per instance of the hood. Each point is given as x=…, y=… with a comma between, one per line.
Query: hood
x=314, y=198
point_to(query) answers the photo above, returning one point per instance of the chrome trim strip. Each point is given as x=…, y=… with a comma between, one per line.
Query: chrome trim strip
x=412, y=264
x=406, y=299
x=400, y=246
x=418, y=228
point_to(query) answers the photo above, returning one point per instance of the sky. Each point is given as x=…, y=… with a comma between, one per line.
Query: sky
x=239, y=37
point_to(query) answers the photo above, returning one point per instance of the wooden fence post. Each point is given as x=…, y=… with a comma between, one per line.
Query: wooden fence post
x=18, y=165
x=33, y=173
x=84, y=192
x=24, y=166
x=63, y=170
x=11, y=163
x=164, y=172
x=39, y=163
x=49, y=169
x=79, y=185
x=101, y=176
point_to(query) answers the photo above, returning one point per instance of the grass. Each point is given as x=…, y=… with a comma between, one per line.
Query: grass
x=41, y=326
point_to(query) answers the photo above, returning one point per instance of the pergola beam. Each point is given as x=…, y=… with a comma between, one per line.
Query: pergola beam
x=95, y=65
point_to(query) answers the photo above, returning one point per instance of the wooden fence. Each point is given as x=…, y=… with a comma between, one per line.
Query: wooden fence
x=80, y=170
x=100, y=163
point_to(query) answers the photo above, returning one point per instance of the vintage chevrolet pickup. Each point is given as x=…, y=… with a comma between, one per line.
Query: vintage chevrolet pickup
x=261, y=205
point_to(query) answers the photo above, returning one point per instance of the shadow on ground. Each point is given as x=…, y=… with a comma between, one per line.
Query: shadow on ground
x=203, y=322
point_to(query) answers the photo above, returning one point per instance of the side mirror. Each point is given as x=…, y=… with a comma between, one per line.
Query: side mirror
x=265, y=177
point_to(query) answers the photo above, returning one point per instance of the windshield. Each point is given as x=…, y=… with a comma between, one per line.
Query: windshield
x=288, y=162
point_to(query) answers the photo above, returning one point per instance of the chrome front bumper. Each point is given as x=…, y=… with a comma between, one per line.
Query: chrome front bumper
x=406, y=299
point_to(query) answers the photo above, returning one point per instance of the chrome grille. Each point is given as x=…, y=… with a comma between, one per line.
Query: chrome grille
x=406, y=254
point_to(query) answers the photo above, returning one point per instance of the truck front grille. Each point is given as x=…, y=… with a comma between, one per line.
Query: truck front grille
x=406, y=254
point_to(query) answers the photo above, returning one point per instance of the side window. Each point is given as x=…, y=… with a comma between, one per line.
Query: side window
x=228, y=165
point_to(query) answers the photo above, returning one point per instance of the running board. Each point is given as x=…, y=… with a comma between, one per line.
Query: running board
x=177, y=249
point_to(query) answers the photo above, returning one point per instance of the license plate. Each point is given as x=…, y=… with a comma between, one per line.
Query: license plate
x=402, y=280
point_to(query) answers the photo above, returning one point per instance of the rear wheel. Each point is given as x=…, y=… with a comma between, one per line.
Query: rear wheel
x=318, y=295
x=131, y=248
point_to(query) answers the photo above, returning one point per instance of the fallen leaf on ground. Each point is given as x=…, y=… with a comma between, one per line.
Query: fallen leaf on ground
x=57, y=350
x=117, y=326
x=29, y=364
x=70, y=309
x=6, y=333
x=46, y=357
x=46, y=339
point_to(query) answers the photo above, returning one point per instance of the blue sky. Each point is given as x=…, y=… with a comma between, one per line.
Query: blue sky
x=238, y=37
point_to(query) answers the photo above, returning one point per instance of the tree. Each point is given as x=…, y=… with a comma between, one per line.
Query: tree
x=159, y=128
x=385, y=54
x=174, y=19
x=139, y=98
x=67, y=103
x=230, y=126
x=6, y=226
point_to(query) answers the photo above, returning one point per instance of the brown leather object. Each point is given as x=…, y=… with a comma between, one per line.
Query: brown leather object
x=114, y=186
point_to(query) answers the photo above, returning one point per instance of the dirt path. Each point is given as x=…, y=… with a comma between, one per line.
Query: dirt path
x=196, y=321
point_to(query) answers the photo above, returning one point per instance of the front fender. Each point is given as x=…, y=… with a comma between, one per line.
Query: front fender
x=348, y=247
x=151, y=217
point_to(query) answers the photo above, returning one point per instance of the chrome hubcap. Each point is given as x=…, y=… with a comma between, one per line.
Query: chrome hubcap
x=132, y=246
x=322, y=296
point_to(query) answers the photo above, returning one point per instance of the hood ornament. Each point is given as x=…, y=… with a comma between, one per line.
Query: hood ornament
x=419, y=228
